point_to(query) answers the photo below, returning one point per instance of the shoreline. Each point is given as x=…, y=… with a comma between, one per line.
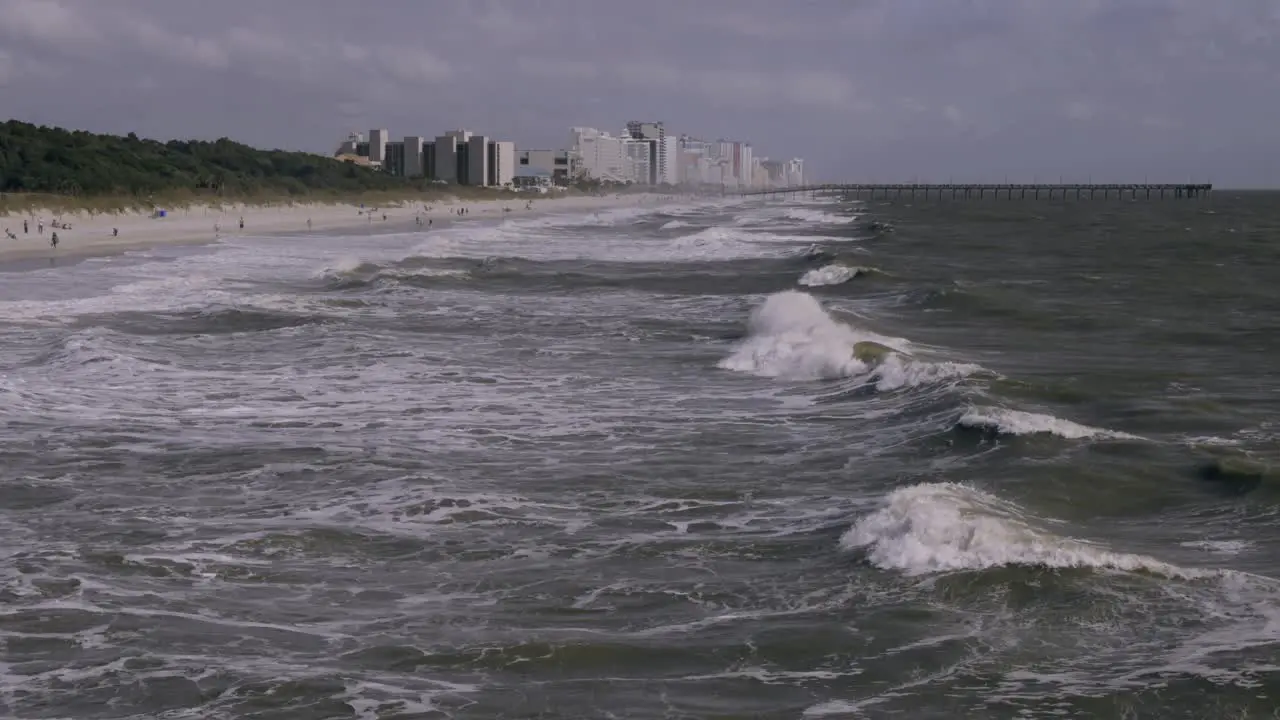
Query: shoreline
x=91, y=234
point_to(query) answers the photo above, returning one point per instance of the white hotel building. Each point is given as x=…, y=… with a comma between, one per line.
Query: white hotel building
x=644, y=154
x=603, y=156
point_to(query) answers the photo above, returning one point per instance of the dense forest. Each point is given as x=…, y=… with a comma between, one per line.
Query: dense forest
x=38, y=159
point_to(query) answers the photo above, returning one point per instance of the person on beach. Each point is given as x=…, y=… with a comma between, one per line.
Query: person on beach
x=242, y=222
x=40, y=226
x=115, y=232
x=53, y=241
x=308, y=223
x=25, y=230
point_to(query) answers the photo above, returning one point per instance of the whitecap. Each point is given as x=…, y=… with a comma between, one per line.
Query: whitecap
x=946, y=527
x=1018, y=422
x=1219, y=547
x=818, y=216
x=830, y=275
x=791, y=336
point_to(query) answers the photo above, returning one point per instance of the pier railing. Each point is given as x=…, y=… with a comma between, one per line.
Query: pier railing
x=1036, y=191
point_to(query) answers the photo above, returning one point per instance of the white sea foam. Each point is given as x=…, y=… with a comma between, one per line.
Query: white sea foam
x=946, y=527
x=811, y=215
x=830, y=275
x=1211, y=440
x=1018, y=422
x=1219, y=547
x=792, y=214
x=219, y=276
x=562, y=243
x=898, y=371
x=724, y=243
x=674, y=224
x=792, y=337
x=347, y=266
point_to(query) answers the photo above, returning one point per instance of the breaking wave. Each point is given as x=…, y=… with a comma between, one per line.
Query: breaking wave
x=830, y=275
x=1004, y=421
x=723, y=243
x=810, y=215
x=351, y=274
x=792, y=337
x=946, y=527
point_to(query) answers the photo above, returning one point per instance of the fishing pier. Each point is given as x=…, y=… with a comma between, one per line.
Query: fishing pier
x=965, y=191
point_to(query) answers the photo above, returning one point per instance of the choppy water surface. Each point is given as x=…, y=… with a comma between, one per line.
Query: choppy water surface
x=1003, y=459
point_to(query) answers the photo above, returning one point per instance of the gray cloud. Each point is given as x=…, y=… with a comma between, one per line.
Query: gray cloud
x=865, y=89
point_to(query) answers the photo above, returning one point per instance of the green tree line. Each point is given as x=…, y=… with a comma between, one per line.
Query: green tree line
x=39, y=159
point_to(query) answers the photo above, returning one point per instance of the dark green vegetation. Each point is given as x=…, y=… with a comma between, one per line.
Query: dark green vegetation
x=129, y=170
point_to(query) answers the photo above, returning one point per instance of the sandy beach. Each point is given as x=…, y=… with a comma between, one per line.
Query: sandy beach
x=82, y=234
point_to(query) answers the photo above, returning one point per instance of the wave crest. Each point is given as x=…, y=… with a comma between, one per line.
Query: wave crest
x=792, y=337
x=945, y=527
x=818, y=216
x=1004, y=421
x=830, y=275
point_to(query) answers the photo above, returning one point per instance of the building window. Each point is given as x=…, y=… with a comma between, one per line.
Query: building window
x=524, y=160
x=562, y=161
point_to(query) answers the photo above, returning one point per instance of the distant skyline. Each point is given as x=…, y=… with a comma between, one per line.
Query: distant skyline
x=883, y=90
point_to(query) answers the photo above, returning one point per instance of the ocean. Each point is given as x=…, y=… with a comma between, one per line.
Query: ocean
x=710, y=459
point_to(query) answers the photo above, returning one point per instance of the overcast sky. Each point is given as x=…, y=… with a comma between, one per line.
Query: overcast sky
x=883, y=90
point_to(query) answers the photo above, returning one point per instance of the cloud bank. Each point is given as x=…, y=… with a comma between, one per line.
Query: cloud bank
x=885, y=90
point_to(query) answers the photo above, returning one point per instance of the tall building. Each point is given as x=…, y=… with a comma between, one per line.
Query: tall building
x=446, y=159
x=687, y=167
x=726, y=152
x=377, y=145
x=662, y=154
x=737, y=167
x=603, y=156
x=738, y=155
x=393, y=158
x=640, y=161
x=477, y=168
x=793, y=173
x=694, y=162
x=414, y=157
x=759, y=176
x=775, y=172
x=502, y=163
x=669, y=161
